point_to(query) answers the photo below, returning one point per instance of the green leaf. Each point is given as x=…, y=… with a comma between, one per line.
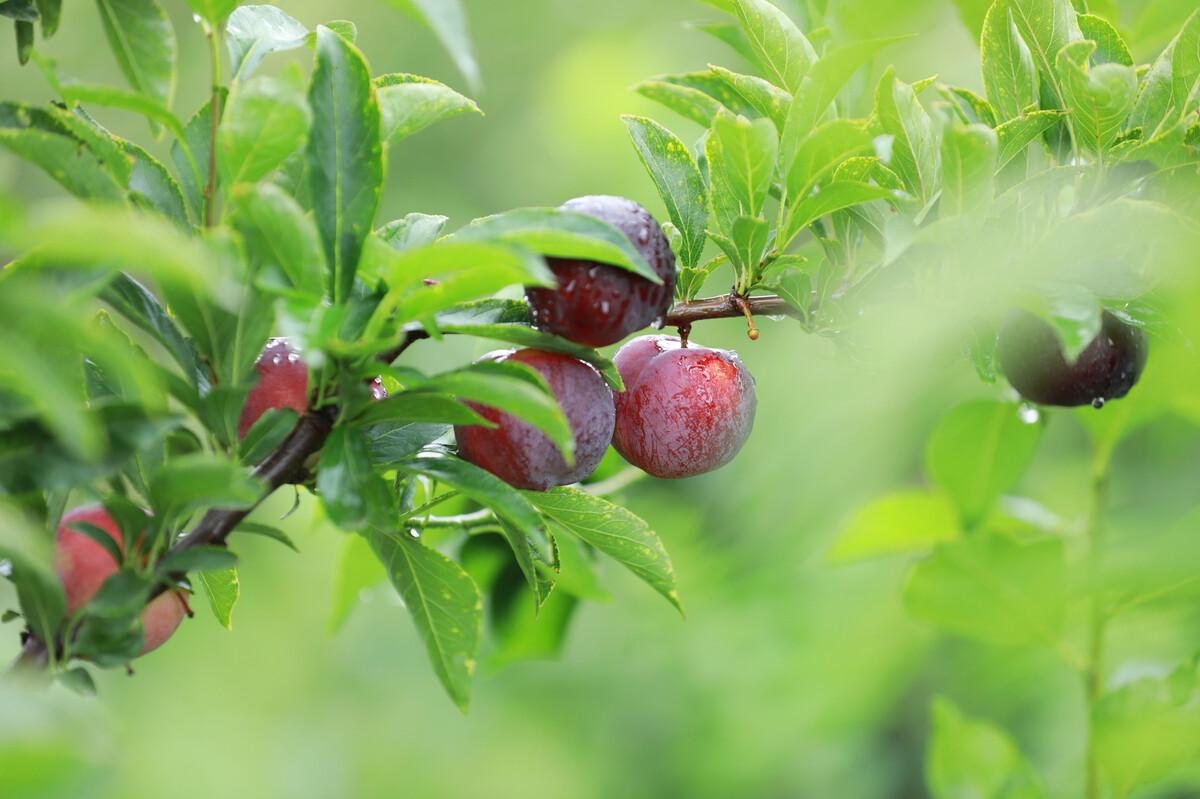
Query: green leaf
x=50, y=12
x=448, y=21
x=1016, y=134
x=152, y=186
x=463, y=271
x=412, y=230
x=266, y=531
x=560, y=234
x=512, y=388
x=992, y=588
x=29, y=553
x=614, y=531
x=151, y=108
x=766, y=99
x=523, y=527
x=1047, y=26
x=1155, y=95
x=358, y=569
x=19, y=10
x=198, y=140
x=834, y=197
x=901, y=522
x=969, y=155
x=78, y=680
x=741, y=160
x=197, y=482
x=345, y=156
x=1110, y=45
x=525, y=336
x=782, y=50
x=1147, y=730
x=969, y=757
x=419, y=407
x=687, y=101
x=821, y=152
x=352, y=493
x=265, y=121
x=63, y=158
x=969, y=106
x=215, y=11
x=678, y=179
x=445, y=606
x=138, y=305
x=1009, y=75
x=411, y=103
x=253, y=32
x=197, y=559
x=122, y=596
x=915, y=146
x=395, y=441
x=143, y=41
x=978, y=451
x=279, y=238
x=1185, y=67
x=1100, y=98
x=821, y=86
x=223, y=590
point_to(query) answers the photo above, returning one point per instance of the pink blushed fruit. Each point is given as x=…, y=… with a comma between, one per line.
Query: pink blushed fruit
x=685, y=410
x=520, y=454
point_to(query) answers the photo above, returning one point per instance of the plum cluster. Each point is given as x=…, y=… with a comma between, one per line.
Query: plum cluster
x=685, y=410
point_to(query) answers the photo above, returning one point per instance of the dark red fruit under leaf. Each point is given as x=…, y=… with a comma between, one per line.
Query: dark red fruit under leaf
x=598, y=304
x=1032, y=358
x=685, y=411
x=282, y=383
x=520, y=454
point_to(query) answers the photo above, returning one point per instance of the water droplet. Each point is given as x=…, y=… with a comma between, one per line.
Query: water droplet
x=5, y=568
x=776, y=317
x=1098, y=403
x=1028, y=414
x=415, y=533
x=658, y=323
x=644, y=235
x=604, y=306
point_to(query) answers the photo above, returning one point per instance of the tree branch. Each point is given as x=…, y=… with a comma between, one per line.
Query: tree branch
x=286, y=463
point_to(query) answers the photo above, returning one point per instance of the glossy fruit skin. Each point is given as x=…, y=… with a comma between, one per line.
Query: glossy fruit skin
x=685, y=411
x=598, y=304
x=520, y=454
x=282, y=383
x=1032, y=358
x=83, y=565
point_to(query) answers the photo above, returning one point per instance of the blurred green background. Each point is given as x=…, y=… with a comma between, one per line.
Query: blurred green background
x=790, y=677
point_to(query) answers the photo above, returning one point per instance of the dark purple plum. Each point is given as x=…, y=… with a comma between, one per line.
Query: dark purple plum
x=685, y=410
x=596, y=303
x=520, y=454
x=1031, y=357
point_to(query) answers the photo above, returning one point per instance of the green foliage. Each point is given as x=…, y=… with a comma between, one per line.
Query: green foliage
x=134, y=315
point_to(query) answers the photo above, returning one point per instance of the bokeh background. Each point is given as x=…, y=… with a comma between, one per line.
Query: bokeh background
x=790, y=677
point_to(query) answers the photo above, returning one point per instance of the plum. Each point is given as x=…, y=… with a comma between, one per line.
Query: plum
x=1031, y=357
x=596, y=303
x=282, y=383
x=685, y=410
x=83, y=565
x=520, y=454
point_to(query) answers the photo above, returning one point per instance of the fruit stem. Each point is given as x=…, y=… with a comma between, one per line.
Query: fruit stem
x=744, y=307
x=685, y=330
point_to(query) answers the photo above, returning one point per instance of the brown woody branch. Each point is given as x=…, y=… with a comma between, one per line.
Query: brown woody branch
x=286, y=464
